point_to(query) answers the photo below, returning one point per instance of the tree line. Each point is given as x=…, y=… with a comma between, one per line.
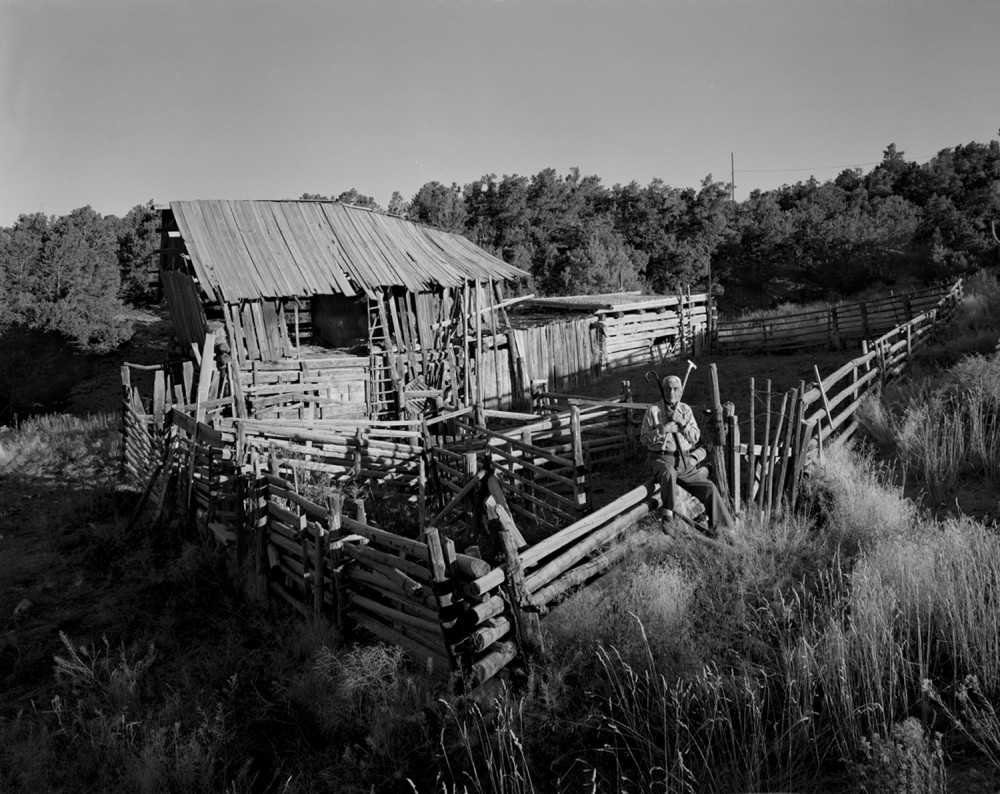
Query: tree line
x=74, y=274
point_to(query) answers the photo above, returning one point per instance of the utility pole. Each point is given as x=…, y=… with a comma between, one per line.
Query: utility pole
x=732, y=177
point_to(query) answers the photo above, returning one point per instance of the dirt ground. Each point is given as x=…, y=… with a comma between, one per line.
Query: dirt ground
x=735, y=372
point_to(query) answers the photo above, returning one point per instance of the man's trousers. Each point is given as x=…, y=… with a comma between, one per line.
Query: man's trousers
x=671, y=472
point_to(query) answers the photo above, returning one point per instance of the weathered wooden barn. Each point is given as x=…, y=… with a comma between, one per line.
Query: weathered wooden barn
x=329, y=310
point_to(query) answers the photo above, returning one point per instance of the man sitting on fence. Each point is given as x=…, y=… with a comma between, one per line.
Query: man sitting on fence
x=669, y=432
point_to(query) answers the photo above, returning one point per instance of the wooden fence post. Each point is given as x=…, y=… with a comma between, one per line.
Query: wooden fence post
x=826, y=403
x=319, y=538
x=752, y=446
x=798, y=443
x=525, y=613
x=257, y=564
x=471, y=467
x=794, y=408
x=800, y=458
x=335, y=507
x=630, y=433
x=773, y=452
x=765, y=460
x=421, y=496
x=359, y=442
x=718, y=454
x=865, y=332
x=882, y=363
x=442, y=586
x=580, y=490
x=239, y=454
x=733, y=454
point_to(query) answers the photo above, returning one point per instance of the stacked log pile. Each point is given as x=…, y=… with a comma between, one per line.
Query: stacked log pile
x=443, y=608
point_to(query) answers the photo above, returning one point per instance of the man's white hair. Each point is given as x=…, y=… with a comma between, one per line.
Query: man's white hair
x=670, y=378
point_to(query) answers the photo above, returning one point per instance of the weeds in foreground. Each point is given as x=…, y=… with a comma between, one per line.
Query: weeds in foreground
x=905, y=762
x=97, y=735
x=800, y=657
x=62, y=448
x=946, y=429
x=489, y=745
x=931, y=441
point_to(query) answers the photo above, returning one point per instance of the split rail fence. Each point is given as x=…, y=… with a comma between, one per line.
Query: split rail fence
x=830, y=328
x=787, y=432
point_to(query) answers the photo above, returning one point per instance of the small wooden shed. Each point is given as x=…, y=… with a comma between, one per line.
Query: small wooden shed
x=328, y=309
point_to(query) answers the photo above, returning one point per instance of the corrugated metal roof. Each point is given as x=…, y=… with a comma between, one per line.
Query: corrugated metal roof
x=274, y=249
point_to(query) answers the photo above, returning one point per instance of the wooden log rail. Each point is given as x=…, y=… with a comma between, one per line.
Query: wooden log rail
x=448, y=610
x=646, y=332
x=306, y=388
x=208, y=475
x=825, y=413
x=583, y=550
x=443, y=608
x=828, y=328
x=609, y=429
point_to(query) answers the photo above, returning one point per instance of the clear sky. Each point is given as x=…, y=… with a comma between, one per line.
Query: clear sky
x=115, y=102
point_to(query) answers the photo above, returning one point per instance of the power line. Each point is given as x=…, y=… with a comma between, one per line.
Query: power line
x=874, y=136
x=818, y=168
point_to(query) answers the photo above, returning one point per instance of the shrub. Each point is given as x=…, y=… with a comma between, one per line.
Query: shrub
x=905, y=762
x=370, y=715
x=944, y=428
x=978, y=378
x=640, y=608
x=931, y=440
x=858, y=502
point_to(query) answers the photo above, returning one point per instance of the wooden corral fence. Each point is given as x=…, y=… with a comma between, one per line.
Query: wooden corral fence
x=276, y=493
x=831, y=328
x=604, y=333
x=652, y=332
x=513, y=490
x=565, y=353
x=786, y=432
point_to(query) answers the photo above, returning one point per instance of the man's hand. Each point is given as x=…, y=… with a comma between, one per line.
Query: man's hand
x=671, y=427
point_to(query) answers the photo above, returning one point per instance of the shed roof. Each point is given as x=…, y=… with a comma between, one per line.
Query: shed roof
x=609, y=301
x=274, y=249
